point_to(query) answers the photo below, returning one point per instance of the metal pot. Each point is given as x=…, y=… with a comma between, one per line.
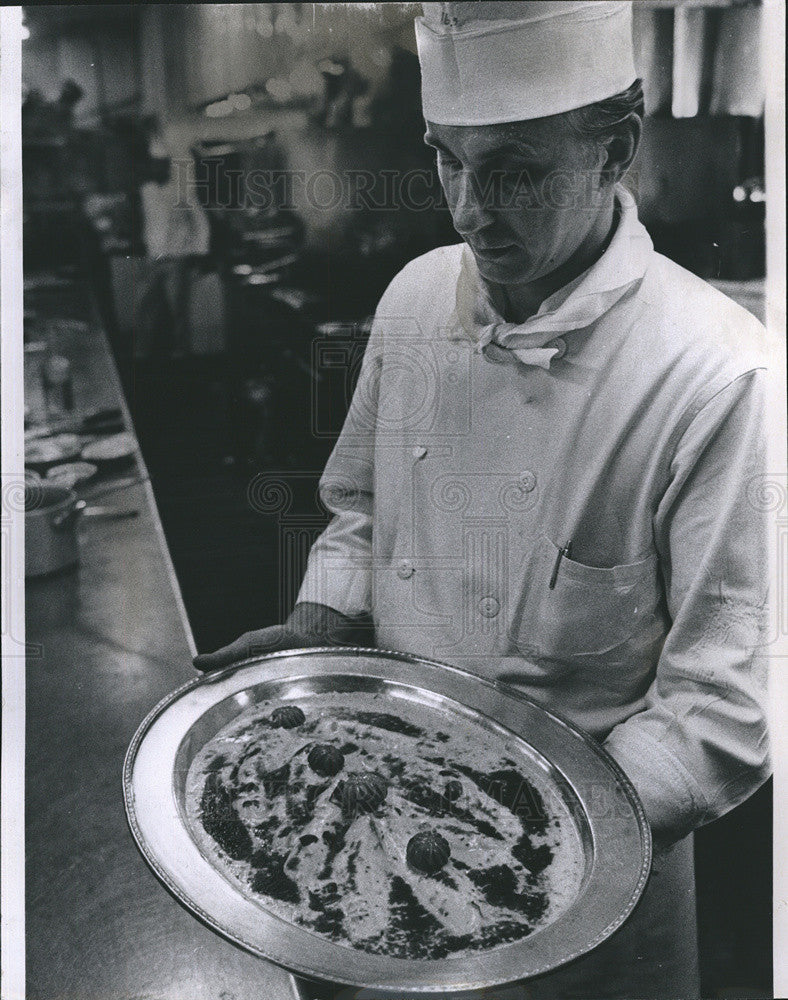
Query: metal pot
x=51, y=515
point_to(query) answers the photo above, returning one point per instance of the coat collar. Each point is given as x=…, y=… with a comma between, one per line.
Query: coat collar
x=577, y=305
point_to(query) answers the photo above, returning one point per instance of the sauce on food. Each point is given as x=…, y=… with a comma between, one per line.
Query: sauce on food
x=405, y=832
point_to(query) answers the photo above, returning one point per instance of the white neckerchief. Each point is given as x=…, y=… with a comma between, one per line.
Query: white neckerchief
x=573, y=307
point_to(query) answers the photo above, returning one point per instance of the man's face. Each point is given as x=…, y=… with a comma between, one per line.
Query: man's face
x=524, y=196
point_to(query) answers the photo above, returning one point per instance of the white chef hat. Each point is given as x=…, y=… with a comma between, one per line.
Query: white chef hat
x=488, y=62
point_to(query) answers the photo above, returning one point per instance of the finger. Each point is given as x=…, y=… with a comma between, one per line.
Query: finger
x=235, y=651
x=267, y=640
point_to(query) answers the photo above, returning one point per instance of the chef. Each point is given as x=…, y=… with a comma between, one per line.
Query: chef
x=548, y=472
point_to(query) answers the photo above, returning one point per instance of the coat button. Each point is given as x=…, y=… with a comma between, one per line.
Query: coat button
x=405, y=569
x=418, y=451
x=560, y=345
x=527, y=481
x=489, y=607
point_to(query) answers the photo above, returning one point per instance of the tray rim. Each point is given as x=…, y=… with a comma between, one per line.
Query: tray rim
x=309, y=972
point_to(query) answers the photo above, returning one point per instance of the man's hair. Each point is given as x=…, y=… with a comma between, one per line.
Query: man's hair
x=599, y=122
x=594, y=123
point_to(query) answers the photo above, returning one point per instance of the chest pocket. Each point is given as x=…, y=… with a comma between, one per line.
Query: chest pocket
x=609, y=614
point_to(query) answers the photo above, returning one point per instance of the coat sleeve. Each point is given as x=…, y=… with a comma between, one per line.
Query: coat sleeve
x=700, y=745
x=339, y=570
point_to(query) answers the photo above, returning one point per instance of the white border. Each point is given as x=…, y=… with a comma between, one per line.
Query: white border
x=773, y=40
x=12, y=812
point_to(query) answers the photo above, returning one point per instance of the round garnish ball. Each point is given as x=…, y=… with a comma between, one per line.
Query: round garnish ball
x=326, y=760
x=452, y=791
x=422, y=795
x=427, y=852
x=287, y=717
x=363, y=792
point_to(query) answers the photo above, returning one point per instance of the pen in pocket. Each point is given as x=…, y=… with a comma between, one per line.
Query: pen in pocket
x=565, y=551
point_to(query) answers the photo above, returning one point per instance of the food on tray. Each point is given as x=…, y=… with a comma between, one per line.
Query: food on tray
x=326, y=760
x=287, y=716
x=395, y=829
x=361, y=793
x=428, y=852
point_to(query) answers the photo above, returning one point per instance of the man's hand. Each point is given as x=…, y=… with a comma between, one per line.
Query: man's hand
x=308, y=625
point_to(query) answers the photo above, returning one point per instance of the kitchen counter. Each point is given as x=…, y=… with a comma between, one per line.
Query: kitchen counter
x=111, y=639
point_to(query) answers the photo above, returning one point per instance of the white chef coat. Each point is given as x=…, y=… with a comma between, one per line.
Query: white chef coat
x=461, y=472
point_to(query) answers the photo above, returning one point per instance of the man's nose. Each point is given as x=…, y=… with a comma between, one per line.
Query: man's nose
x=469, y=210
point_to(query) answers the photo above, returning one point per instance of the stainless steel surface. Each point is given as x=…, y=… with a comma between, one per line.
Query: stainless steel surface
x=51, y=515
x=106, y=643
x=615, y=838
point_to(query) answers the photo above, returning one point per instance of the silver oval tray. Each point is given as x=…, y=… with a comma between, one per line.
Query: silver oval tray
x=604, y=808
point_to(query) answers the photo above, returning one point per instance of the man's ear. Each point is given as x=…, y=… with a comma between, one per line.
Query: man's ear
x=621, y=148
